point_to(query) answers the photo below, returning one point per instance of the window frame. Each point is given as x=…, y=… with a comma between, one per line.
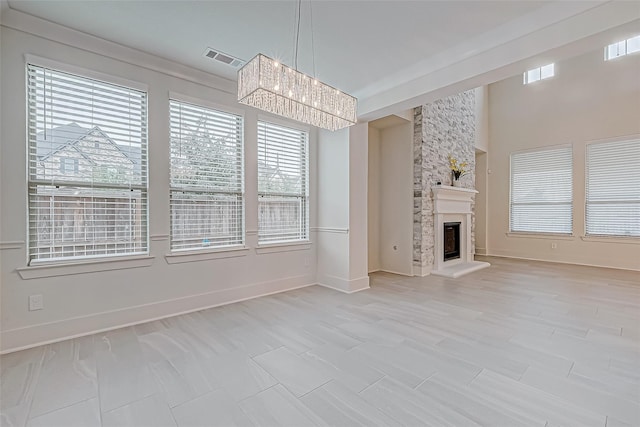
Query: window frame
x=552, y=234
x=59, y=266
x=622, y=238
x=292, y=244
x=209, y=252
x=626, y=52
x=527, y=81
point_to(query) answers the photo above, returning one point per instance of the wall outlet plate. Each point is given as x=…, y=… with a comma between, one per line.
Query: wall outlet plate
x=36, y=302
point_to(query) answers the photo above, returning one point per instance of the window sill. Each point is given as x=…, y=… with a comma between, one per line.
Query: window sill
x=550, y=236
x=612, y=239
x=85, y=266
x=283, y=247
x=205, y=254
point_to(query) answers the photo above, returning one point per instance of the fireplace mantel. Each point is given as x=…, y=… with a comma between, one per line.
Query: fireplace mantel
x=453, y=204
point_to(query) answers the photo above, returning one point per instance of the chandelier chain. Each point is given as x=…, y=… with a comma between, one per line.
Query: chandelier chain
x=313, y=49
x=297, y=34
x=271, y=86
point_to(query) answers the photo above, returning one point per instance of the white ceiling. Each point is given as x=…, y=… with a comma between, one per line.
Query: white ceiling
x=363, y=47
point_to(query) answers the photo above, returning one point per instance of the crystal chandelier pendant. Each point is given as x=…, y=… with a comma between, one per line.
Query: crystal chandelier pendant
x=266, y=84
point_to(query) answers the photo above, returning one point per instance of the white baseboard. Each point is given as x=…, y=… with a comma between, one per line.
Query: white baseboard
x=421, y=271
x=46, y=333
x=555, y=261
x=348, y=286
x=396, y=272
x=481, y=251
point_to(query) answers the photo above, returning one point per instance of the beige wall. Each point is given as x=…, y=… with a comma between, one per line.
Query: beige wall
x=482, y=118
x=373, y=200
x=481, y=203
x=390, y=198
x=588, y=99
x=396, y=199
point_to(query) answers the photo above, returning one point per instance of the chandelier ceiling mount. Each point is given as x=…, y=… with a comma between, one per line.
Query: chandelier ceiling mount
x=268, y=85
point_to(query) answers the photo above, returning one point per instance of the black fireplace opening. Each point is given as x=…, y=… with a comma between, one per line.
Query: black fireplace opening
x=451, y=240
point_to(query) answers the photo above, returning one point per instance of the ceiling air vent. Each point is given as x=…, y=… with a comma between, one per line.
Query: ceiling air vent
x=223, y=57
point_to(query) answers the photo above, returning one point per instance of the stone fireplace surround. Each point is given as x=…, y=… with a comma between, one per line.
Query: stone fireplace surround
x=453, y=204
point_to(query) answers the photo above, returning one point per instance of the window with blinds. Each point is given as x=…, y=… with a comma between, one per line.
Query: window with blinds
x=283, y=184
x=613, y=189
x=87, y=167
x=542, y=191
x=207, y=198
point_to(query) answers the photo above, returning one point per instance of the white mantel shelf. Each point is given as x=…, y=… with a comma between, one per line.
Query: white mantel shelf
x=447, y=188
x=446, y=192
x=453, y=204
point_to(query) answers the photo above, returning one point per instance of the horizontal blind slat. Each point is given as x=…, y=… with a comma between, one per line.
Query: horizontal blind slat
x=613, y=188
x=206, y=177
x=542, y=191
x=87, y=167
x=283, y=203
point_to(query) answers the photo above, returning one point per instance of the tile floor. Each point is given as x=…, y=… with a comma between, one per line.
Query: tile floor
x=520, y=343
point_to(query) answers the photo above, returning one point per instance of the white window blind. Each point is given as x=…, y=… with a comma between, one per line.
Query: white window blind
x=87, y=167
x=613, y=189
x=283, y=184
x=206, y=203
x=541, y=191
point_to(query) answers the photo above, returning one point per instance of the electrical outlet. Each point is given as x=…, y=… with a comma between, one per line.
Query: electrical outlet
x=554, y=245
x=36, y=302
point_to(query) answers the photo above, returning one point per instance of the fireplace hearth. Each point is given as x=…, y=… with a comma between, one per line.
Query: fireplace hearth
x=453, y=250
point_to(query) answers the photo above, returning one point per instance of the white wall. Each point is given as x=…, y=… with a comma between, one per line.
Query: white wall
x=588, y=99
x=358, y=176
x=480, y=207
x=373, y=201
x=482, y=145
x=342, y=209
x=396, y=199
x=482, y=118
x=142, y=289
x=333, y=208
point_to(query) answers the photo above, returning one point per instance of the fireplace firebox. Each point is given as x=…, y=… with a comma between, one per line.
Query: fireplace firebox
x=451, y=240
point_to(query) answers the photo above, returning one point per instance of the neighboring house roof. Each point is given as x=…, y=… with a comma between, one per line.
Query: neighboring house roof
x=68, y=136
x=273, y=173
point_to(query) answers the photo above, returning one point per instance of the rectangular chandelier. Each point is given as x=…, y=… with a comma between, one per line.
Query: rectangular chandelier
x=266, y=84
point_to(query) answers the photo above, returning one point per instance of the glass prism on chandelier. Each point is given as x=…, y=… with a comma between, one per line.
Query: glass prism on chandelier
x=268, y=85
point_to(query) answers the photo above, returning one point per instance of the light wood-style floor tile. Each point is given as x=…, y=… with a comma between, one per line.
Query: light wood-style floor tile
x=82, y=414
x=297, y=374
x=124, y=375
x=183, y=378
x=598, y=400
x=150, y=411
x=344, y=367
x=212, y=409
x=68, y=376
x=238, y=375
x=411, y=408
x=531, y=403
x=519, y=343
x=278, y=407
x=19, y=374
x=338, y=406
